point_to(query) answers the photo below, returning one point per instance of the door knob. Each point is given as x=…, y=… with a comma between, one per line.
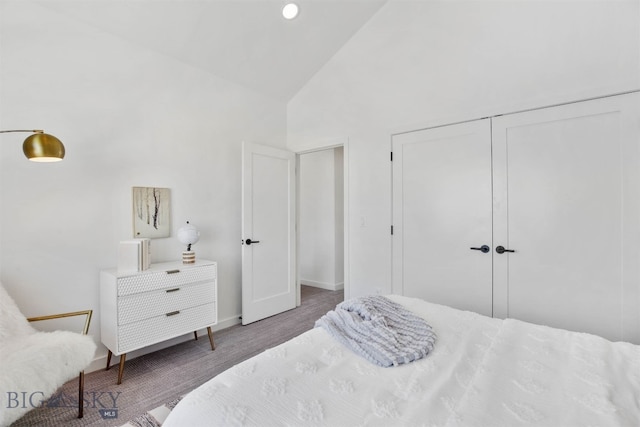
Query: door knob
x=484, y=249
x=501, y=249
x=249, y=241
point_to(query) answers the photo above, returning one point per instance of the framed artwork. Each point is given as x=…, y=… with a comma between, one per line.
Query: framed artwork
x=151, y=212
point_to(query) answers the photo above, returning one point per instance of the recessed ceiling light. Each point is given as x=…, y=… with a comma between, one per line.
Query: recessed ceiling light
x=290, y=11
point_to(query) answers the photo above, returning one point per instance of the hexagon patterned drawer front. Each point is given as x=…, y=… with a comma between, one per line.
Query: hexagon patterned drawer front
x=132, y=308
x=151, y=306
x=164, y=279
x=164, y=327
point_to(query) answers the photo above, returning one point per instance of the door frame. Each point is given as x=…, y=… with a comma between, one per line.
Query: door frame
x=311, y=148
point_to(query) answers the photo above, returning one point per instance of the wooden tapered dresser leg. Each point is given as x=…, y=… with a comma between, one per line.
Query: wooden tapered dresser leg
x=213, y=346
x=123, y=357
x=108, y=360
x=195, y=334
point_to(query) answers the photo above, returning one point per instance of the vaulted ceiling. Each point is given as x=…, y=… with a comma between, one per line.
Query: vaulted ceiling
x=244, y=41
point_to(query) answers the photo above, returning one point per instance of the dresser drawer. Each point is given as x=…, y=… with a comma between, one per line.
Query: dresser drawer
x=135, y=307
x=165, y=279
x=160, y=328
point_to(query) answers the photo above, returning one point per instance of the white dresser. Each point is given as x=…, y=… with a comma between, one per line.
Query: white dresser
x=146, y=307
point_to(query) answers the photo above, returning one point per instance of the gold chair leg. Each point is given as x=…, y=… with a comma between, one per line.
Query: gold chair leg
x=213, y=346
x=81, y=395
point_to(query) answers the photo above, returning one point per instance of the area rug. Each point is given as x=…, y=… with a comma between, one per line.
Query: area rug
x=155, y=417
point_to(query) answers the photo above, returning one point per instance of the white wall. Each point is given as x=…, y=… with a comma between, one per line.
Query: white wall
x=131, y=117
x=321, y=235
x=128, y=117
x=421, y=63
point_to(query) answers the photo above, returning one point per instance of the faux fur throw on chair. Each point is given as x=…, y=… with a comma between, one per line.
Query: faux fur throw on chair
x=34, y=364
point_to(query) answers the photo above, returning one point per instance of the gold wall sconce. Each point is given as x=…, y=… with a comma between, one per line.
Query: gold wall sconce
x=41, y=147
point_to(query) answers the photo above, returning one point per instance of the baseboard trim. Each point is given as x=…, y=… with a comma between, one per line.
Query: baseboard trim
x=323, y=285
x=100, y=361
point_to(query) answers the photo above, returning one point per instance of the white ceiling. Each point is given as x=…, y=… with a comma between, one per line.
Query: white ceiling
x=244, y=41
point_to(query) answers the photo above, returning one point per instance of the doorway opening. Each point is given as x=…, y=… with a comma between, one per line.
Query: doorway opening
x=321, y=218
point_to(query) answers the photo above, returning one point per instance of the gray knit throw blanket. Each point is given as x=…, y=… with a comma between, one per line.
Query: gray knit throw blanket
x=380, y=330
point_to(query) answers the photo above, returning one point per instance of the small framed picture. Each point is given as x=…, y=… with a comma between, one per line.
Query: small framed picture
x=151, y=212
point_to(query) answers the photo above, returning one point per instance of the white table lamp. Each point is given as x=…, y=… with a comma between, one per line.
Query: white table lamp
x=188, y=235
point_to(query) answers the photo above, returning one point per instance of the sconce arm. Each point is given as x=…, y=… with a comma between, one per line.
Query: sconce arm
x=22, y=130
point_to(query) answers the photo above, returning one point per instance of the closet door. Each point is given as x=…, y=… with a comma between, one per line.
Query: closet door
x=442, y=209
x=566, y=193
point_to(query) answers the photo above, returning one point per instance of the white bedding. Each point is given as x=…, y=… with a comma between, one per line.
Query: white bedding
x=482, y=372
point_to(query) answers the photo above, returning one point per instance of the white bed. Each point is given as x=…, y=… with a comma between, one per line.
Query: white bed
x=482, y=372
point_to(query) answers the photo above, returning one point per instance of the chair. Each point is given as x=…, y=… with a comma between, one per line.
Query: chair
x=34, y=364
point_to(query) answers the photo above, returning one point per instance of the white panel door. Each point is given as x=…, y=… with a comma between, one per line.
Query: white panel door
x=268, y=227
x=566, y=193
x=442, y=209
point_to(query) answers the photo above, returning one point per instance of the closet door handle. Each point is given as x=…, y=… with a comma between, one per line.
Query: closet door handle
x=484, y=249
x=501, y=249
x=249, y=241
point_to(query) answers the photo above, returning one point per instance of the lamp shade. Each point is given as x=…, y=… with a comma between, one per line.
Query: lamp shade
x=188, y=234
x=42, y=147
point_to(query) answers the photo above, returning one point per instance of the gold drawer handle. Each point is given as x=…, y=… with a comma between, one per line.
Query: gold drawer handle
x=173, y=313
x=173, y=290
x=173, y=271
